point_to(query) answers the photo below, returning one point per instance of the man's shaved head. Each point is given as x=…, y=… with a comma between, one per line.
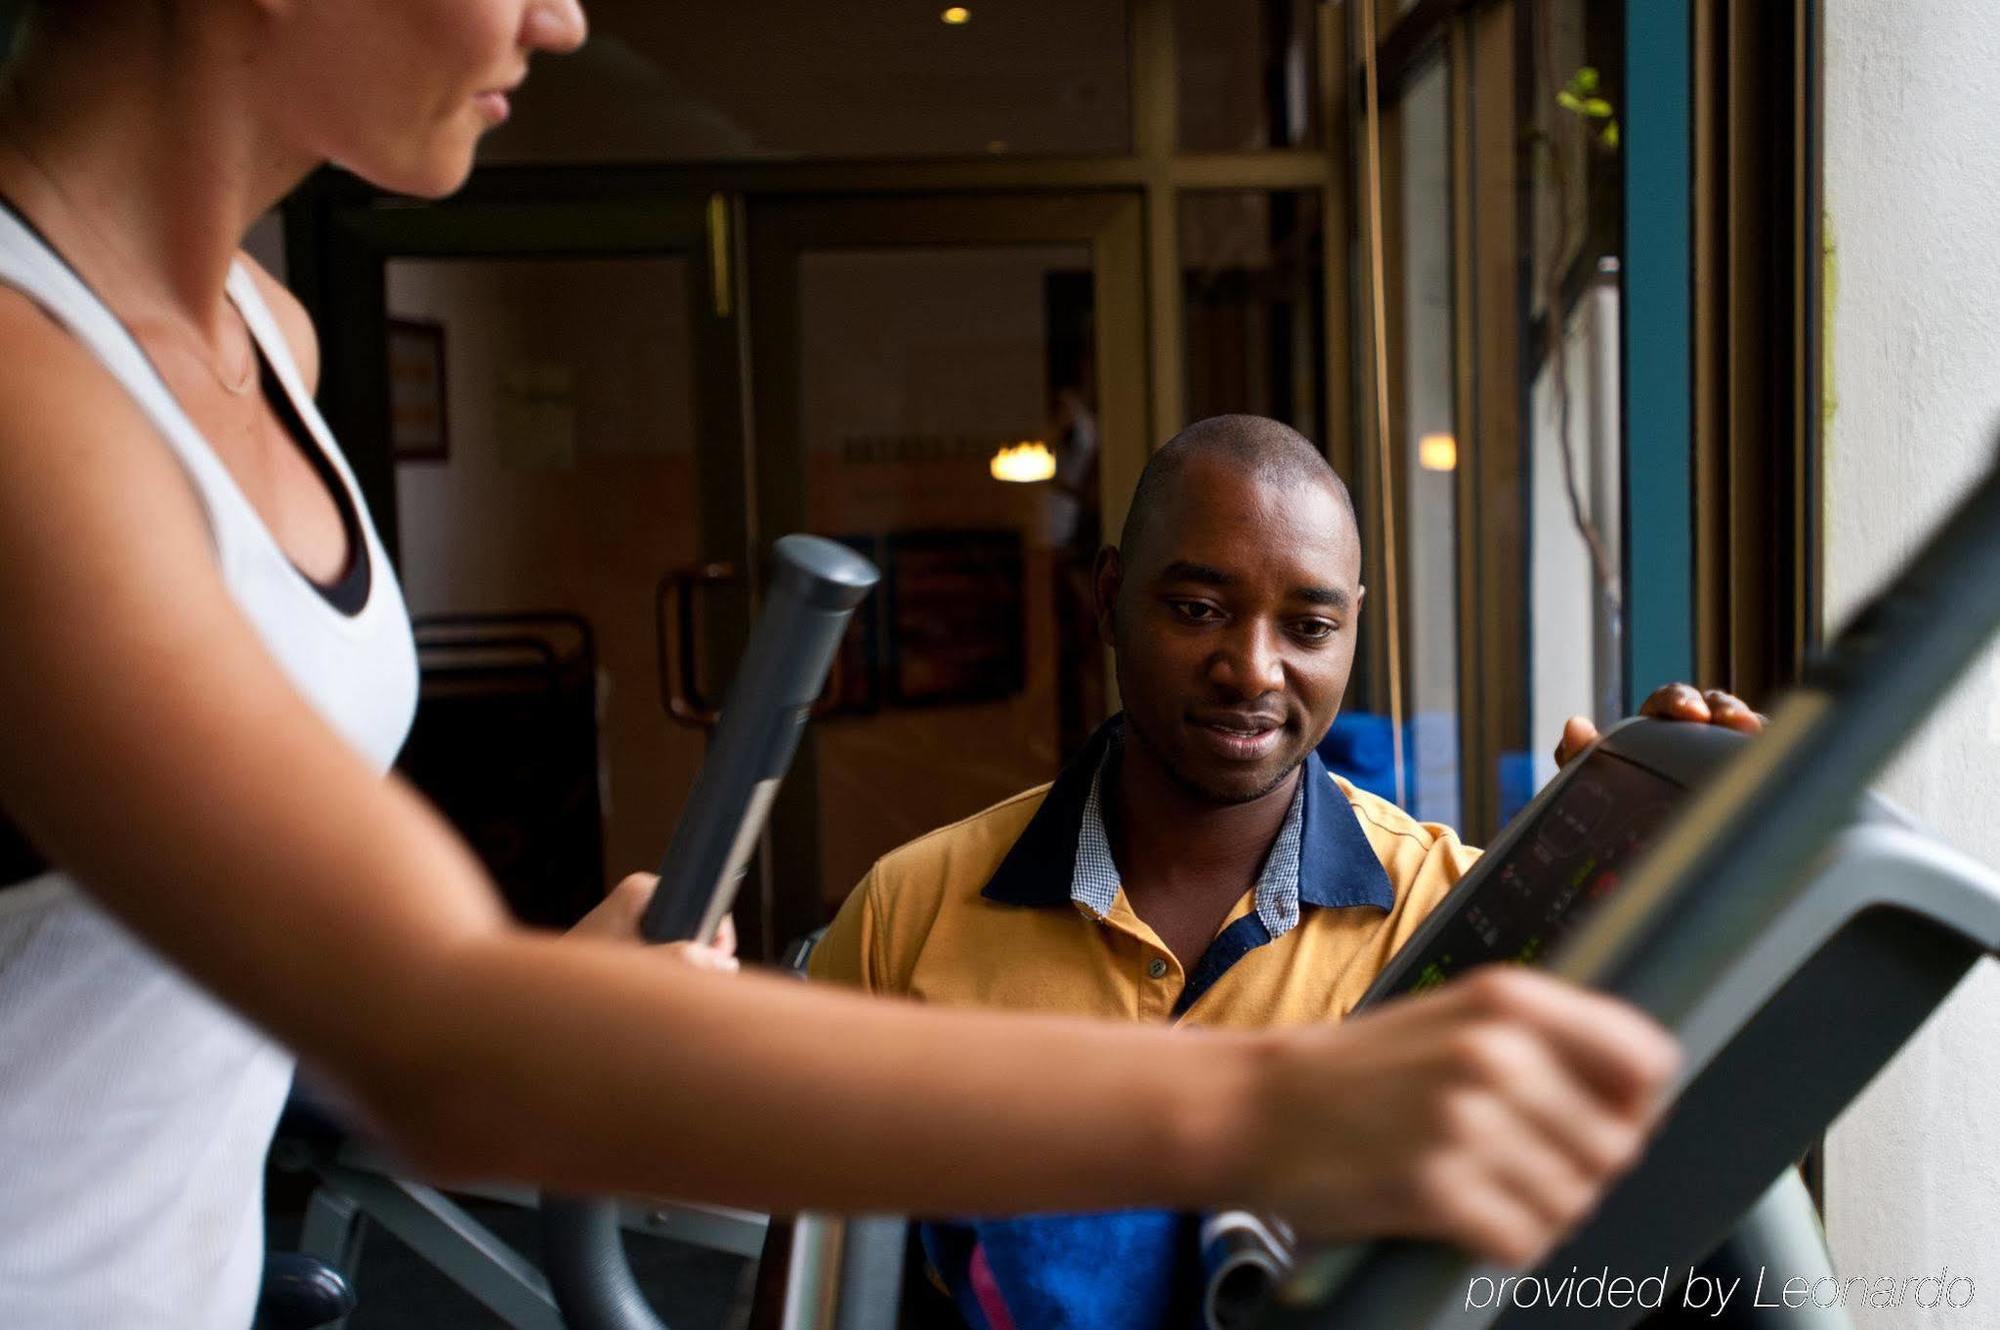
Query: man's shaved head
x=1230, y=604
x=1269, y=451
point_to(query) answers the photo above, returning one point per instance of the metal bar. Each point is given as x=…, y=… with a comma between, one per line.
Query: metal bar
x=871, y=1273
x=813, y=1278
x=712, y=1227
x=1413, y=39
x=1384, y=415
x=1468, y=499
x=720, y=257
x=1808, y=157
x=1154, y=86
x=1274, y=168
x=1278, y=168
x=1412, y=42
x=1124, y=439
x=1340, y=424
x=333, y=1231
x=1501, y=237
x=464, y=1250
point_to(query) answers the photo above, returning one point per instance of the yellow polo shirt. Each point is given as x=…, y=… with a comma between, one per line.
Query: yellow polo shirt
x=993, y=912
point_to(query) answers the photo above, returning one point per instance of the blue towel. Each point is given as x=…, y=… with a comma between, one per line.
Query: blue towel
x=1127, y=1270
x=1361, y=746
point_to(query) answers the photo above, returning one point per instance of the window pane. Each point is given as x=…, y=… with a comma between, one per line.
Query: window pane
x=1573, y=367
x=977, y=669
x=703, y=80
x=1248, y=74
x=1428, y=430
x=1253, y=274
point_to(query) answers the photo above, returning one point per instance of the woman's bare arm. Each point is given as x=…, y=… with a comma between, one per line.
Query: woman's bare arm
x=150, y=746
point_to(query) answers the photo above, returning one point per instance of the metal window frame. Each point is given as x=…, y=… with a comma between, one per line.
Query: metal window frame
x=1721, y=451
x=1757, y=341
x=1481, y=41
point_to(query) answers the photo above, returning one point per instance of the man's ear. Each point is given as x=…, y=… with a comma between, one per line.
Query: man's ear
x=1360, y=595
x=1106, y=579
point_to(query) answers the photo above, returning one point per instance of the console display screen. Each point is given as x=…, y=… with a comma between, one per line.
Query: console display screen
x=1567, y=861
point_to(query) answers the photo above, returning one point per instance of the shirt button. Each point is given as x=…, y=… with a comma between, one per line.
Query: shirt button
x=1157, y=970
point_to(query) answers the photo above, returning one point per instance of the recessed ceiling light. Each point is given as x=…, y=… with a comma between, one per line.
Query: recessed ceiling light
x=956, y=15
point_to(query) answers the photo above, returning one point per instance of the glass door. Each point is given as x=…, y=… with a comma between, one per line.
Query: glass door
x=544, y=399
x=955, y=386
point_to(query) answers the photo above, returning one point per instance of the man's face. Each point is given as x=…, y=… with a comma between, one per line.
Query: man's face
x=1234, y=624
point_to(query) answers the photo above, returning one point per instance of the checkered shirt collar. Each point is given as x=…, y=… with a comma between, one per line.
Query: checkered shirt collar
x=1094, y=884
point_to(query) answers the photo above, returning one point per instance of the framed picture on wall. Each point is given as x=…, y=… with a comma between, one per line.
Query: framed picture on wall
x=418, y=424
x=956, y=616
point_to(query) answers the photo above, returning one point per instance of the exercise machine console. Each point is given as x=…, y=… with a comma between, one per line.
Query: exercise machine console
x=1792, y=933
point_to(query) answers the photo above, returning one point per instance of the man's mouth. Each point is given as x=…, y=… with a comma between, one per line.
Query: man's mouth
x=1239, y=737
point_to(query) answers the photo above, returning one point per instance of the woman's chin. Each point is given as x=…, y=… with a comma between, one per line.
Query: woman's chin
x=433, y=176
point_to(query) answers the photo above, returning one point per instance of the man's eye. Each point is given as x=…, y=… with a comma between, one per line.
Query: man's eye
x=1196, y=611
x=1315, y=630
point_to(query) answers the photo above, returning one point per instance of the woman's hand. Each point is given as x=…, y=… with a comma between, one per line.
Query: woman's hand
x=617, y=919
x=1491, y=1114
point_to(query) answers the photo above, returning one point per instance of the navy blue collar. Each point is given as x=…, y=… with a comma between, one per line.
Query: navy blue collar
x=1337, y=866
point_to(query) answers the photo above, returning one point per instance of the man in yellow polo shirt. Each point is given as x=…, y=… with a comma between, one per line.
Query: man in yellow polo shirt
x=1195, y=861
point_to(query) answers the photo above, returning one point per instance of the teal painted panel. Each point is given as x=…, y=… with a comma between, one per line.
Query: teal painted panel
x=1657, y=131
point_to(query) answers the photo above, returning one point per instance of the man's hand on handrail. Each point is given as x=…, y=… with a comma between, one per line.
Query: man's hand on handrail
x=1674, y=701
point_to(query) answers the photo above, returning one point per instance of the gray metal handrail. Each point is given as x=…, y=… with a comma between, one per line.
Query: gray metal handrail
x=815, y=587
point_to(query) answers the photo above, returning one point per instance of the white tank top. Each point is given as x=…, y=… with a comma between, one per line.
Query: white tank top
x=135, y=1111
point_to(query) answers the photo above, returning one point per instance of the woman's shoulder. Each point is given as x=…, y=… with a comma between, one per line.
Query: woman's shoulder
x=69, y=433
x=50, y=385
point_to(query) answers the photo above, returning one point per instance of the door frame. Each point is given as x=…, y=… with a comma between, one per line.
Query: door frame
x=341, y=236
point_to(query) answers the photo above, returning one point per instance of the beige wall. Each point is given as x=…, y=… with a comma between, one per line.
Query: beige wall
x=528, y=515
x=1912, y=154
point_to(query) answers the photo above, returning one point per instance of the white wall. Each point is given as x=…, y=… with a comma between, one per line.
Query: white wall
x=1574, y=661
x=1913, y=211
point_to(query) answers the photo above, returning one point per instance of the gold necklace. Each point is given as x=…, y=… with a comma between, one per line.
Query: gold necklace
x=245, y=381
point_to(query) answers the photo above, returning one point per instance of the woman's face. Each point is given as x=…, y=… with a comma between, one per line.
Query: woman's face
x=399, y=91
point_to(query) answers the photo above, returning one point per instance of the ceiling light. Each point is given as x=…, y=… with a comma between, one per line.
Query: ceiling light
x=957, y=15
x=1026, y=461
x=1437, y=452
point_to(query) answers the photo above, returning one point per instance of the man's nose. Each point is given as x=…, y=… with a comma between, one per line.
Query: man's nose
x=1250, y=661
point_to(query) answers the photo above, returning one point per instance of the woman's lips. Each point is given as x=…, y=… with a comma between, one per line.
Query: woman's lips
x=492, y=105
